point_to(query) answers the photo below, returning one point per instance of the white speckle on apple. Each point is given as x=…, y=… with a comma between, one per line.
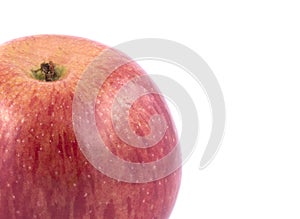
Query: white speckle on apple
x=31, y=130
x=88, y=176
x=13, y=196
x=74, y=184
x=143, y=200
x=41, y=123
x=8, y=185
x=85, y=195
x=51, y=124
x=5, y=116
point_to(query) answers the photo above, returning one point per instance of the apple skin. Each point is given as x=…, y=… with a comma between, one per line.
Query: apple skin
x=43, y=173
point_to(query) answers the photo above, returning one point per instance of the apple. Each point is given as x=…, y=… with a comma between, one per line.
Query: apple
x=43, y=171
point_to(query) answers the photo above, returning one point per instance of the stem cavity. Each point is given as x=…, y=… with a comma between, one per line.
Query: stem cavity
x=48, y=72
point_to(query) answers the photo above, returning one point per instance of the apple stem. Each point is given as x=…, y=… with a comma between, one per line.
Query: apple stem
x=48, y=71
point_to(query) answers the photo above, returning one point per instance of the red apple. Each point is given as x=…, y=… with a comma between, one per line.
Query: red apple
x=43, y=171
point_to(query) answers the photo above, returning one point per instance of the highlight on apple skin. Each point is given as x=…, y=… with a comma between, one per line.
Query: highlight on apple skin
x=43, y=172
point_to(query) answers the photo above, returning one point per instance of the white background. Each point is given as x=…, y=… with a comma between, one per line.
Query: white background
x=253, y=47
